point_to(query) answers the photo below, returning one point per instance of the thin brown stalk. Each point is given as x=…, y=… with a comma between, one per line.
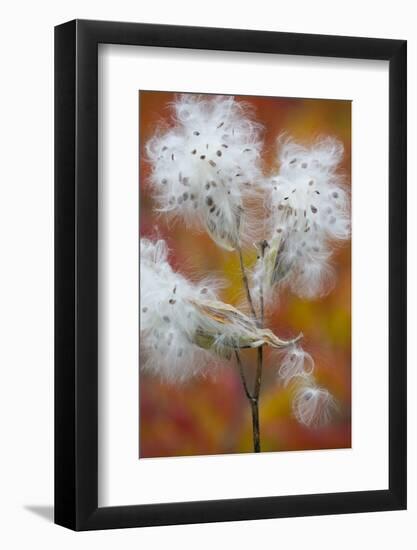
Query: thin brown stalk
x=254, y=406
x=258, y=379
x=242, y=375
x=253, y=399
x=255, y=426
x=246, y=282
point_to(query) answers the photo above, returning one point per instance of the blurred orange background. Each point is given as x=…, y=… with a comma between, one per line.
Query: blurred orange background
x=211, y=415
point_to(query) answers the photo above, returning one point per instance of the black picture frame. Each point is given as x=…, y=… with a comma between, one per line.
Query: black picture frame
x=76, y=272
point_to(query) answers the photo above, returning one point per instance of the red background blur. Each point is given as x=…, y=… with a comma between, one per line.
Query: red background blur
x=211, y=415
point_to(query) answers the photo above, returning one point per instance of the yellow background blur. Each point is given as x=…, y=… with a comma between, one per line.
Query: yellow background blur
x=211, y=415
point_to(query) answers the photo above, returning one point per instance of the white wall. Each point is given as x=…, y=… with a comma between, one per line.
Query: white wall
x=26, y=291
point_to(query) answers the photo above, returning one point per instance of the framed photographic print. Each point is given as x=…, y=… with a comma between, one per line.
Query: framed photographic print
x=230, y=275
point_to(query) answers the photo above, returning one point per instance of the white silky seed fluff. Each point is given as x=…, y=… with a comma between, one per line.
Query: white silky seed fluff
x=313, y=406
x=167, y=319
x=308, y=213
x=206, y=166
x=295, y=363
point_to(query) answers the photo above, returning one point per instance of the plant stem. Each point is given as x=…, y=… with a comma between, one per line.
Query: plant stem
x=242, y=375
x=262, y=246
x=258, y=379
x=254, y=403
x=255, y=426
x=246, y=282
x=253, y=399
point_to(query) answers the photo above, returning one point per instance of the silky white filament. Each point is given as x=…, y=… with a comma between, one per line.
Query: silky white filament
x=313, y=406
x=296, y=363
x=206, y=166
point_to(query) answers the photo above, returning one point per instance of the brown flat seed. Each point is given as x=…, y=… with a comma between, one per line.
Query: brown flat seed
x=209, y=201
x=212, y=162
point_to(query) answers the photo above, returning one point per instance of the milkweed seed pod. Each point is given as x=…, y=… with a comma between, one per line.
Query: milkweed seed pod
x=205, y=167
x=308, y=213
x=185, y=329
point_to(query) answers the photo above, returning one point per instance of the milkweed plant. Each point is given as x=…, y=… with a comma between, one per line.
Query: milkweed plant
x=206, y=172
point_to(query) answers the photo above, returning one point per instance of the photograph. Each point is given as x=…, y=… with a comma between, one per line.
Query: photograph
x=245, y=274
x=208, y=234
